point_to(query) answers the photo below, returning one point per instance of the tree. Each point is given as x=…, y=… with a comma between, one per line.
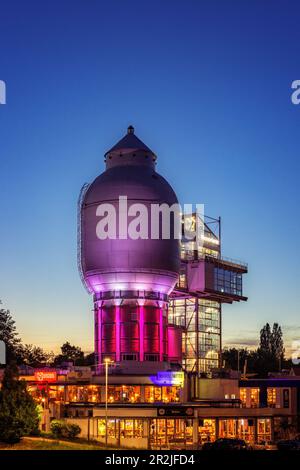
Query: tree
x=89, y=359
x=9, y=335
x=265, y=339
x=70, y=353
x=33, y=356
x=230, y=356
x=18, y=411
x=271, y=349
x=277, y=348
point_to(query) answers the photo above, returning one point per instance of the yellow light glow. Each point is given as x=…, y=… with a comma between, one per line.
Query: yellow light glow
x=214, y=241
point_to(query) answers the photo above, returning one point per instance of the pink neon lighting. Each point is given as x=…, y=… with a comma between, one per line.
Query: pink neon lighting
x=141, y=308
x=118, y=339
x=161, y=334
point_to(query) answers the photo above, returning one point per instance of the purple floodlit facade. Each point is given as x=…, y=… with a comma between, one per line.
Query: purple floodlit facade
x=131, y=280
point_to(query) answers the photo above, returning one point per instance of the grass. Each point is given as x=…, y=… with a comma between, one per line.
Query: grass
x=36, y=443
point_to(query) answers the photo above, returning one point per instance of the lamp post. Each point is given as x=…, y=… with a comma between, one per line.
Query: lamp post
x=106, y=362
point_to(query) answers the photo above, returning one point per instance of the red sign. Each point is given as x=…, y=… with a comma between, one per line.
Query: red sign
x=45, y=376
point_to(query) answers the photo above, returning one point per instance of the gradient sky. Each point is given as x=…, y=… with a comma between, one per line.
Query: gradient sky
x=207, y=86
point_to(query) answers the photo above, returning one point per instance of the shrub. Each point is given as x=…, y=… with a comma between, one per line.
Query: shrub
x=73, y=430
x=62, y=429
x=18, y=411
x=57, y=428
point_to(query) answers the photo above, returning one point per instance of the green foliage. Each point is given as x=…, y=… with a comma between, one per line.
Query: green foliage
x=16, y=352
x=33, y=356
x=61, y=429
x=57, y=428
x=73, y=430
x=268, y=357
x=18, y=412
x=70, y=353
x=9, y=335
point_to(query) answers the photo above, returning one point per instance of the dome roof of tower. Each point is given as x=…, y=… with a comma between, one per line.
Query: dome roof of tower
x=130, y=142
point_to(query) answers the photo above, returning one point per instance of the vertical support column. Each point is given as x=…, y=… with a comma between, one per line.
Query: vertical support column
x=272, y=428
x=195, y=432
x=217, y=428
x=255, y=429
x=197, y=334
x=118, y=332
x=248, y=397
x=185, y=337
x=161, y=333
x=98, y=334
x=141, y=326
x=220, y=323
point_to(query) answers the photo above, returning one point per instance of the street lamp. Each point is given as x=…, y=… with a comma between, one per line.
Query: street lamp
x=107, y=361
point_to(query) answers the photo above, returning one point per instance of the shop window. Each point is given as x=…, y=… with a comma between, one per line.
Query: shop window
x=56, y=393
x=227, y=428
x=245, y=429
x=84, y=394
x=271, y=397
x=263, y=430
x=254, y=397
x=170, y=394
x=153, y=394
x=124, y=394
x=243, y=397
x=162, y=394
x=171, y=433
x=206, y=430
x=111, y=428
x=131, y=428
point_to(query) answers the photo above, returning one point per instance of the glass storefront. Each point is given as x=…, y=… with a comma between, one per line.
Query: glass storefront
x=246, y=429
x=243, y=397
x=254, y=397
x=227, y=428
x=84, y=394
x=171, y=433
x=122, y=428
x=116, y=393
x=263, y=430
x=162, y=394
x=124, y=394
x=131, y=428
x=54, y=393
x=206, y=430
x=271, y=397
x=177, y=433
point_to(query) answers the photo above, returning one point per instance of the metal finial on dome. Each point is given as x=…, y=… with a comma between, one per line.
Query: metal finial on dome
x=130, y=130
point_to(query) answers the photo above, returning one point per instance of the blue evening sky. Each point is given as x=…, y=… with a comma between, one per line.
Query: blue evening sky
x=207, y=85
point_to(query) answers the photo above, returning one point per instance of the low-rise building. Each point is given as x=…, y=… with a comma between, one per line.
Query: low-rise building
x=169, y=409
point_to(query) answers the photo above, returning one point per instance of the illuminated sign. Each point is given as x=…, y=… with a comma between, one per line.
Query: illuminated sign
x=45, y=376
x=169, y=378
x=175, y=411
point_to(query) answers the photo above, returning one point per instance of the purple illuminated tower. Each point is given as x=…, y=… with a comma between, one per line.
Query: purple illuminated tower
x=131, y=279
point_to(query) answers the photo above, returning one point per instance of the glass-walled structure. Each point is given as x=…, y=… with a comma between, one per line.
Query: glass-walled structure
x=116, y=393
x=206, y=280
x=200, y=320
